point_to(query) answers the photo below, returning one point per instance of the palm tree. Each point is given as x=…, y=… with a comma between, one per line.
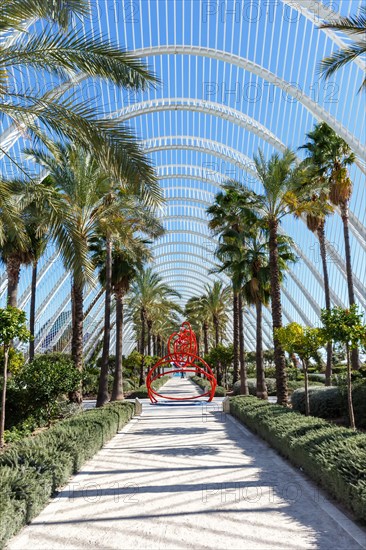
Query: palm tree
x=125, y=266
x=81, y=184
x=199, y=316
x=56, y=48
x=276, y=176
x=355, y=27
x=330, y=155
x=226, y=214
x=315, y=218
x=147, y=291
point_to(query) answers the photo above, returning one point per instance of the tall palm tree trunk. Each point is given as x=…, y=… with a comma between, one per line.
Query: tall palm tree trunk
x=323, y=255
x=103, y=396
x=279, y=355
x=117, y=391
x=351, y=293
x=32, y=313
x=13, y=272
x=149, y=327
x=205, y=337
x=77, y=299
x=217, y=330
x=142, y=317
x=236, y=336
x=261, y=382
x=243, y=367
x=158, y=346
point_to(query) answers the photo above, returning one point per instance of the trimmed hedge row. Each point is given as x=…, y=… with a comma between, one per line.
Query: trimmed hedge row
x=271, y=386
x=141, y=392
x=331, y=402
x=334, y=457
x=324, y=402
x=33, y=469
x=204, y=384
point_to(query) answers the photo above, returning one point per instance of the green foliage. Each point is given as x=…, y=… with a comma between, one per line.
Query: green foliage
x=204, y=384
x=304, y=341
x=344, y=326
x=32, y=469
x=332, y=456
x=141, y=392
x=325, y=402
x=15, y=362
x=252, y=386
x=221, y=354
x=48, y=377
x=13, y=325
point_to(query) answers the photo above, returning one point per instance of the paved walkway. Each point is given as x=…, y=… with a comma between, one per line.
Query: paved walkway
x=187, y=476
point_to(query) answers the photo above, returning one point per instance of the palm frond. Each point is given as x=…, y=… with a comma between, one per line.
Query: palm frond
x=72, y=53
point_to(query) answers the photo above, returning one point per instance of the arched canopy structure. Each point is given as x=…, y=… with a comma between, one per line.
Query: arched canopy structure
x=235, y=77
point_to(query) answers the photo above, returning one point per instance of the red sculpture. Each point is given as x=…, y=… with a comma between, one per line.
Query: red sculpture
x=182, y=354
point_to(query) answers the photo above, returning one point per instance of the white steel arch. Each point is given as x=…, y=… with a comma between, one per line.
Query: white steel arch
x=316, y=110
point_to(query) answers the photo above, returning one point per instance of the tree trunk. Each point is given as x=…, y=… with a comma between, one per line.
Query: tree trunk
x=243, y=368
x=158, y=346
x=149, y=327
x=306, y=380
x=3, y=397
x=261, y=382
x=32, y=313
x=349, y=391
x=117, y=391
x=351, y=293
x=13, y=266
x=205, y=337
x=236, y=336
x=92, y=303
x=77, y=299
x=279, y=355
x=103, y=395
x=217, y=330
x=323, y=255
x=142, y=367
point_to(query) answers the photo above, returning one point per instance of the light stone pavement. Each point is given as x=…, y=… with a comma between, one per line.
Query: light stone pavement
x=188, y=476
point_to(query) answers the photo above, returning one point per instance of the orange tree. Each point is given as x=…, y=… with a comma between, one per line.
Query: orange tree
x=345, y=327
x=12, y=325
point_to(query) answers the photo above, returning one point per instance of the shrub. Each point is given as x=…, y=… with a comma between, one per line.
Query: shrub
x=48, y=377
x=252, y=386
x=331, y=402
x=205, y=385
x=34, y=468
x=332, y=456
x=141, y=392
x=325, y=402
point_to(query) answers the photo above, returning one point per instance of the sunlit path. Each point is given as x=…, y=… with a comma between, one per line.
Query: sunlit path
x=188, y=476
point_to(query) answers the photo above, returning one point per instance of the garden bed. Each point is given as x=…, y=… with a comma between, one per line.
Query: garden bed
x=332, y=456
x=33, y=469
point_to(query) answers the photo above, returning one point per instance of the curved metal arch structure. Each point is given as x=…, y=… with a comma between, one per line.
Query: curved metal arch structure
x=222, y=152
x=179, y=125
x=315, y=109
x=200, y=106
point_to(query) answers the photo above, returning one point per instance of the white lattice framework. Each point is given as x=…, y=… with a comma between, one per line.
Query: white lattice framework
x=203, y=126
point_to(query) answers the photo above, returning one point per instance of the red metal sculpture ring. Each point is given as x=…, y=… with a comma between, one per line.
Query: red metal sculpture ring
x=182, y=355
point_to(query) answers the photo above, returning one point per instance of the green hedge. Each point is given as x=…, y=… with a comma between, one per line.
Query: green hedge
x=33, y=469
x=332, y=456
x=205, y=385
x=331, y=402
x=141, y=392
x=252, y=386
x=326, y=402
